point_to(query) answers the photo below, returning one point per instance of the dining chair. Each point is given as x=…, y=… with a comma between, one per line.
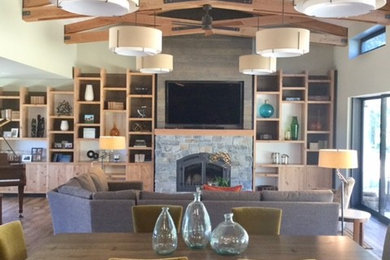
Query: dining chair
x=145, y=217
x=258, y=220
x=12, y=244
x=386, y=246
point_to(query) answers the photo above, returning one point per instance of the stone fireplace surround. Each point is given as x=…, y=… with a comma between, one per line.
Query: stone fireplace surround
x=174, y=144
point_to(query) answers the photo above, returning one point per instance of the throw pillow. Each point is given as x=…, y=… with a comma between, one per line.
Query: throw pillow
x=216, y=188
x=99, y=179
x=73, y=187
x=86, y=182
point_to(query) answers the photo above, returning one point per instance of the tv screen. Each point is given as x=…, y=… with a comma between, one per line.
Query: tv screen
x=204, y=104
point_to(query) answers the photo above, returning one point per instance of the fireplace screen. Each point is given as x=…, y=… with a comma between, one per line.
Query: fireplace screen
x=197, y=169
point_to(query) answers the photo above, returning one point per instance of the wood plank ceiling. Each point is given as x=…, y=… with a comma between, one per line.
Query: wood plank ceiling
x=240, y=18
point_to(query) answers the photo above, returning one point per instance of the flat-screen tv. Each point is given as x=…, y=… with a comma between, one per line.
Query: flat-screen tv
x=204, y=104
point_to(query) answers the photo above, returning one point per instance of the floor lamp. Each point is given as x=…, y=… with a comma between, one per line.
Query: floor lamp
x=338, y=159
x=110, y=143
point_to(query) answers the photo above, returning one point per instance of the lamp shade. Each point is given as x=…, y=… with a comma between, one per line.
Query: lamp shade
x=135, y=40
x=159, y=63
x=254, y=64
x=98, y=7
x=112, y=143
x=282, y=42
x=337, y=159
x=337, y=8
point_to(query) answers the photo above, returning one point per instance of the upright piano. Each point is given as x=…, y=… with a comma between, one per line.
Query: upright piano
x=13, y=174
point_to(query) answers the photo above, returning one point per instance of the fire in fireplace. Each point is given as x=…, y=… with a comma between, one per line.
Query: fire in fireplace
x=196, y=169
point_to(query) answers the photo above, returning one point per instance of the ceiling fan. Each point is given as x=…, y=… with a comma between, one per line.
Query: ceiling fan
x=206, y=23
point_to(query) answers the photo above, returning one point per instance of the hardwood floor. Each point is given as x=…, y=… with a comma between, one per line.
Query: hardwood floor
x=37, y=223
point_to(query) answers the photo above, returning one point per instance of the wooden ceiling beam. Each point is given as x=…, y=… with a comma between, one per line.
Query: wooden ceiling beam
x=35, y=3
x=49, y=12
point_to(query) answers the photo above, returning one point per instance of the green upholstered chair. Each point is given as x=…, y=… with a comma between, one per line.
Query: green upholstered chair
x=145, y=217
x=169, y=258
x=386, y=246
x=258, y=221
x=12, y=244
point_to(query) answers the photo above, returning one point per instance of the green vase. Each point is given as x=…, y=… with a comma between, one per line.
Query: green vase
x=294, y=128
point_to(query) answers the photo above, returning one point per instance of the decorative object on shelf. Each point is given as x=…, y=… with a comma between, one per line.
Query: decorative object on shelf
x=338, y=159
x=336, y=9
x=266, y=110
x=287, y=134
x=92, y=155
x=64, y=126
x=57, y=145
x=64, y=108
x=141, y=90
x=254, y=64
x=139, y=157
x=6, y=114
x=196, y=227
x=135, y=40
x=116, y=157
x=98, y=8
x=141, y=111
x=315, y=123
x=115, y=105
x=26, y=158
x=114, y=131
x=138, y=127
x=89, y=118
x=40, y=126
x=33, y=127
x=164, y=238
x=88, y=94
x=37, y=154
x=109, y=143
x=14, y=132
x=284, y=159
x=159, y=63
x=221, y=156
x=265, y=136
x=139, y=143
x=275, y=158
x=221, y=182
x=229, y=237
x=89, y=132
x=37, y=100
x=294, y=128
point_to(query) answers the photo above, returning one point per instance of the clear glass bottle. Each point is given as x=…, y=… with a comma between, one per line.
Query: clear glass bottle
x=229, y=237
x=164, y=239
x=294, y=128
x=196, y=226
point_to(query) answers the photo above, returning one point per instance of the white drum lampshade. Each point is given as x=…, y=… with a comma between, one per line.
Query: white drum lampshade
x=159, y=63
x=135, y=40
x=254, y=64
x=337, y=8
x=282, y=42
x=98, y=7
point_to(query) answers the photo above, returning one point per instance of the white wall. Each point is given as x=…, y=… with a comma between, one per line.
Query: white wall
x=364, y=75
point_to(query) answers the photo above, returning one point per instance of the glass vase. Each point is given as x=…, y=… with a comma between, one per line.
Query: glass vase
x=196, y=227
x=266, y=110
x=229, y=237
x=294, y=128
x=164, y=239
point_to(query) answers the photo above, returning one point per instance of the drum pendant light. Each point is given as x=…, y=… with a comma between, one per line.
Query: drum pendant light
x=337, y=8
x=282, y=42
x=254, y=64
x=135, y=40
x=98, y=7
x=159, y=63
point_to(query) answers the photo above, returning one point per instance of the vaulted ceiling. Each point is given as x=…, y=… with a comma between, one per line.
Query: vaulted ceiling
x=240, y=18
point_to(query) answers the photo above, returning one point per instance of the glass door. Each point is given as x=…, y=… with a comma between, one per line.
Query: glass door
x=376, y=154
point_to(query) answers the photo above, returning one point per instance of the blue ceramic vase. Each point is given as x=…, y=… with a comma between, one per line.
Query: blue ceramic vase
x=266, y=110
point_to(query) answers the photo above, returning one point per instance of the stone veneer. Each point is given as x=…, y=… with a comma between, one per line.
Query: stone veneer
x=169, y=148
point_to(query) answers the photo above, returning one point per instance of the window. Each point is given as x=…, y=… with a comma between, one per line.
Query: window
x=373, y=41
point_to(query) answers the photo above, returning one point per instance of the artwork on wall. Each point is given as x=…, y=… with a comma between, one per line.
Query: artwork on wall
x=37, y=154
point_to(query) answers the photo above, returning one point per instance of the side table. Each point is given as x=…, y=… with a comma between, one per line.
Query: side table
x=358, y=218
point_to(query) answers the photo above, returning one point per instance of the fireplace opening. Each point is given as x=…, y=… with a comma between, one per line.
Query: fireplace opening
x=197, y=169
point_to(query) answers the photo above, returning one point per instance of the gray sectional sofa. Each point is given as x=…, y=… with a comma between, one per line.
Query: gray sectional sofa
x=84, y=206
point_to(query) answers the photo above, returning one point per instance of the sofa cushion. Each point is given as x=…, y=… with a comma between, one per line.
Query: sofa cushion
x=73, y=187
x=310, y=195
x=147, y=195
x=229, y=195
x=86, y=182
x=216, y=188
x=99, y=178
x=113, y=195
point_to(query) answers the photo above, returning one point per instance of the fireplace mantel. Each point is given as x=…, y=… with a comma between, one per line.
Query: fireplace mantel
x=204, y=132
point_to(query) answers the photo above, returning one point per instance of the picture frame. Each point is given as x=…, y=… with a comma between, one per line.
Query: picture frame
x=67, y=145
x=89, y=133
x=89, y=118
x=14, y=132
x=57, y=145
x=36, y=154
x=26, y=158
x=7, y=134
x=65, y=158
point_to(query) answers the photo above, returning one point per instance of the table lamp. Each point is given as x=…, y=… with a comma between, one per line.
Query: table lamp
x=338, y=159
x=111, y=143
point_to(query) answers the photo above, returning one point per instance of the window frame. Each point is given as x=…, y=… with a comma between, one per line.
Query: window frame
x=380, y=31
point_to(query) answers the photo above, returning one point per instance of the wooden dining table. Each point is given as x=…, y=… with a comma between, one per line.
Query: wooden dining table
x=102, y=246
